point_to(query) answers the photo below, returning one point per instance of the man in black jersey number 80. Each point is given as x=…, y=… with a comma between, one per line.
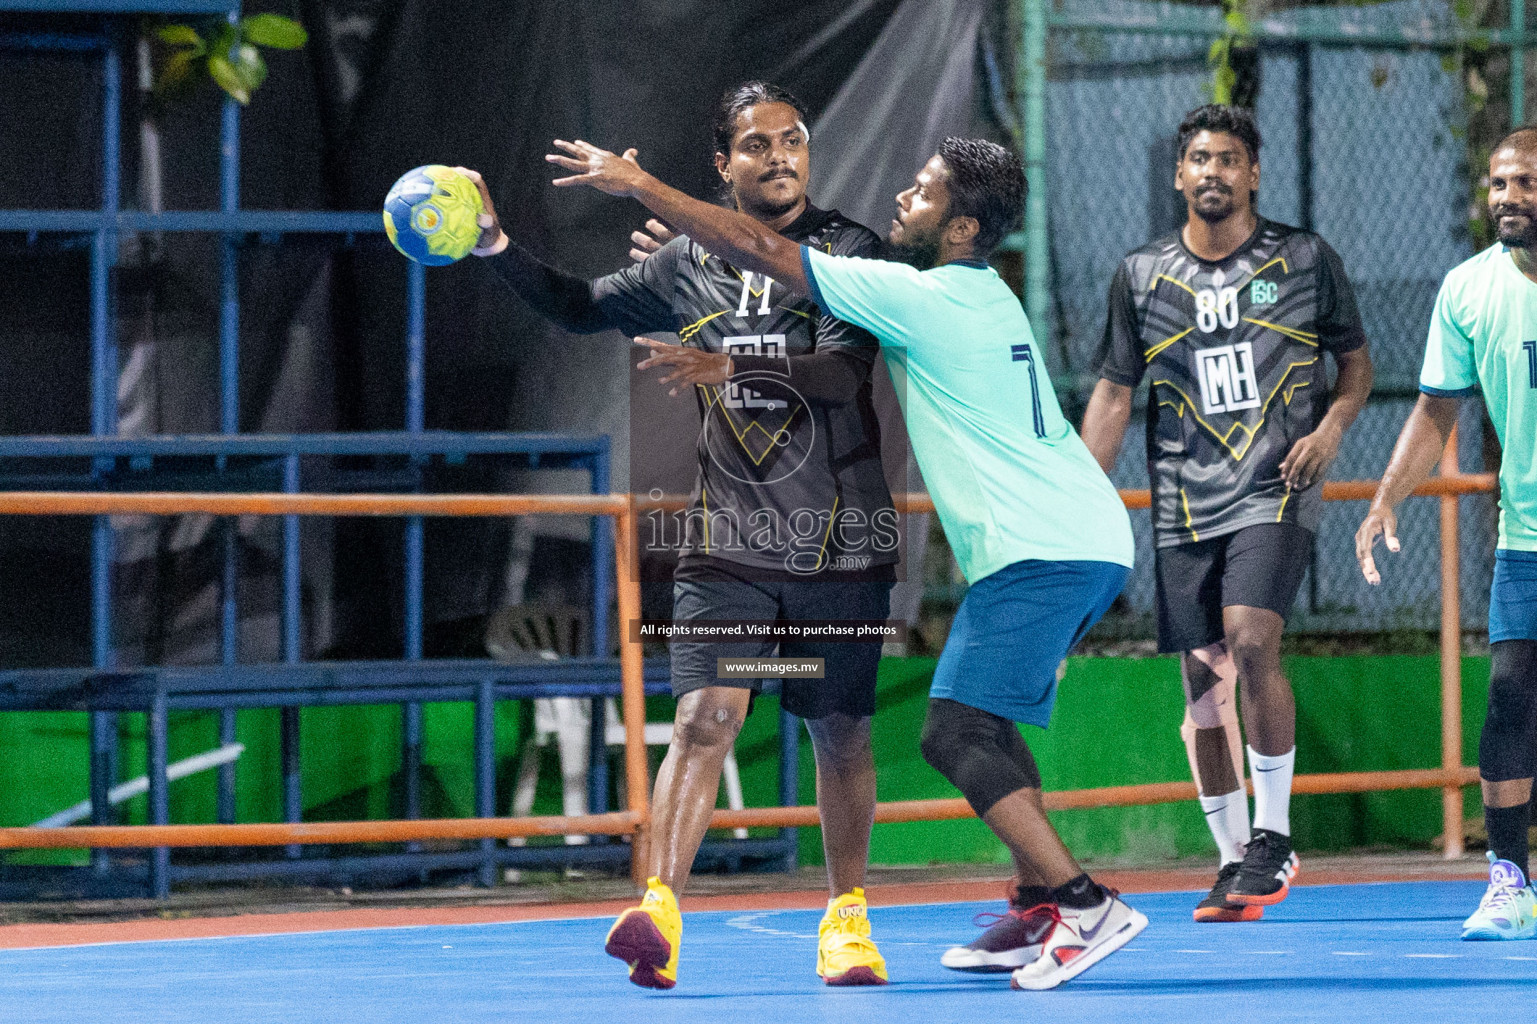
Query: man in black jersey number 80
x=789, y=442
x=1228, y=319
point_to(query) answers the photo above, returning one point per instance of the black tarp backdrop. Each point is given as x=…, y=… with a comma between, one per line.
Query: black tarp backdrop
x=382, y=87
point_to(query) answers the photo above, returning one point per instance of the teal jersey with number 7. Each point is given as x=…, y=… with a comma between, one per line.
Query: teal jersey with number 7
x=1010, y=478
x=1483, y=337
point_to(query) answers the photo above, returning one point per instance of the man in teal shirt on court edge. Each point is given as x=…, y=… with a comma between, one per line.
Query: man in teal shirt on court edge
x=1482, y=339
x=1034, y=522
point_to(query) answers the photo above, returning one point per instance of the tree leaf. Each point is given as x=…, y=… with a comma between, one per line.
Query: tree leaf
x=228, y=79
x=180, y=35
x=225, y=41
x=274, y=30
x=250, y=67
x=176, y=72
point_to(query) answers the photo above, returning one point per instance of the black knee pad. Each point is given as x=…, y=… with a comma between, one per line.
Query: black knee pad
x=1508, y=745
x=981, y=754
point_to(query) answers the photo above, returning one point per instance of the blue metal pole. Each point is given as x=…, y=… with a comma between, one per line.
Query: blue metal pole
x=229, y=305
x=104, y=372
x=602, y=557
x=229, y=415
x=416, y=346
x=229, y=627
x=159, y=794
x=104, y=251
x=789, y=781
x=293, y=803
x=485, y=772
x=597, y=761
x=416, y=376
x=602, y=560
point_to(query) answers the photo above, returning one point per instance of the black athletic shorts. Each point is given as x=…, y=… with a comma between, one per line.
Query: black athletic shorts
x=715, y=593
x=1258, y=566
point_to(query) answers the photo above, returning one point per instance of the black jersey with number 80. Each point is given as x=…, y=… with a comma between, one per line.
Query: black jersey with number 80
x=1232, y=353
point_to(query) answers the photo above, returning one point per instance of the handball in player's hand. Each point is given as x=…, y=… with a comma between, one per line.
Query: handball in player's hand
x=432, y=215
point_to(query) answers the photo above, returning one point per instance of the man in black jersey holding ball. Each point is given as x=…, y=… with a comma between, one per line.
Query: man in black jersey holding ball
x=790, y=518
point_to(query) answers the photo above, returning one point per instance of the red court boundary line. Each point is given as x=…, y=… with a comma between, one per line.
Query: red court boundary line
x=48, y=936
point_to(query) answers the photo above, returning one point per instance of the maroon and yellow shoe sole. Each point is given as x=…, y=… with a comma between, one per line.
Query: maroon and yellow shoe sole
x=637, y=941
x=855, y=976
x=1232, y=912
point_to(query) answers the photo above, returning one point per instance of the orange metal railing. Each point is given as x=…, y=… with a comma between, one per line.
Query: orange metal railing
x=1450, y=778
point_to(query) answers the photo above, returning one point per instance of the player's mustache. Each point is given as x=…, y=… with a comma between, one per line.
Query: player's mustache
x=1515, y=211
x=783, y=172
x=1217, y=187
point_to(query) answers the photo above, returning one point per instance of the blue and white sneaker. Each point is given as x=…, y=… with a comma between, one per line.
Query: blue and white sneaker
x=1508, y=909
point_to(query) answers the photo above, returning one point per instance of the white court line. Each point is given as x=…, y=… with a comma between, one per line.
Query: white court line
x=1190, y=951
x=1265, y=952
x=1432, y=956
x=1518, y=958
x=748, y=923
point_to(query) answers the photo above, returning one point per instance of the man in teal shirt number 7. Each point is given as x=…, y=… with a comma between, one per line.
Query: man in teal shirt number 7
x=1034, y=522
x=1483, y=336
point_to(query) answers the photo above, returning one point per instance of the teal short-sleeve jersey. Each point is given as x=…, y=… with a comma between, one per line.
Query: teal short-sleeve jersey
x=1483, y=337
x=1010, y=478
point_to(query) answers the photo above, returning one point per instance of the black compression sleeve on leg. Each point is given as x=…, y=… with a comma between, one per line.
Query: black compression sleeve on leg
x=981, y=754
x=1507, y=745
x=1508, y=833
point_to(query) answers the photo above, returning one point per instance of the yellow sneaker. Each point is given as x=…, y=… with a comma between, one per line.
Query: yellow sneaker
x=845, y=953
x=647, y=937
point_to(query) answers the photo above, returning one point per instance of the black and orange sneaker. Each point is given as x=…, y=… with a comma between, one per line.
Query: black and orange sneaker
x=1217, y=907
x=1269, y=865
x=1012, y=939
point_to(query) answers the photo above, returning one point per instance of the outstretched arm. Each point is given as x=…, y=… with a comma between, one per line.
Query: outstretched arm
x=733, y=236
x=622, y=300
x=1420, y=444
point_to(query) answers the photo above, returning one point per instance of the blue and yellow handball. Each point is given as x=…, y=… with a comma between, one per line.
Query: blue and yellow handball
x=431, y=215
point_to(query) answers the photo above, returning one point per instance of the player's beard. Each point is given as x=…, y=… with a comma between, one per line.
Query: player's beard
x=1213, y=213
x=761, y=207
x=920, y=251
x=1524, y=239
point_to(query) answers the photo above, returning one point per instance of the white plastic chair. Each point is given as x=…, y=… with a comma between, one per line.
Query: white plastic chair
x=521, y=631
x=566, y=722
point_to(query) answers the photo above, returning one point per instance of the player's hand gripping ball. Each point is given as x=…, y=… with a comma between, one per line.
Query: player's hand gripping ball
x=430, y=215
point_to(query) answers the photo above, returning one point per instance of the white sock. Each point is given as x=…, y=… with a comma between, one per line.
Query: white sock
x=1272, y=777
x=1228, y=818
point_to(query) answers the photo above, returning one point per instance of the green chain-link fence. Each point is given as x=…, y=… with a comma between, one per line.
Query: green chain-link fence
x=1365, y=112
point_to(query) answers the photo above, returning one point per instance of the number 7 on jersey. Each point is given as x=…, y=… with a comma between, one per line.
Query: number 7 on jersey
x=1023, y=354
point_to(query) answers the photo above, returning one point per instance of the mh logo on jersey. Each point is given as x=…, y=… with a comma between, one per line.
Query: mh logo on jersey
x=1226, y=374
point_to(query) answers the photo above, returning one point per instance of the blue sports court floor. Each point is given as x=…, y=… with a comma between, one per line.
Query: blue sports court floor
x=1382, y=952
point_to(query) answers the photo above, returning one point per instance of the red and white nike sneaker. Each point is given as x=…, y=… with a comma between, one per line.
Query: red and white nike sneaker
x=1012, y=939
x=1081, y=939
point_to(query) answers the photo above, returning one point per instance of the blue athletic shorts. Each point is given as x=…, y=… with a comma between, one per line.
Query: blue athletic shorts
x=1014, y=628
x=1513, y=597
